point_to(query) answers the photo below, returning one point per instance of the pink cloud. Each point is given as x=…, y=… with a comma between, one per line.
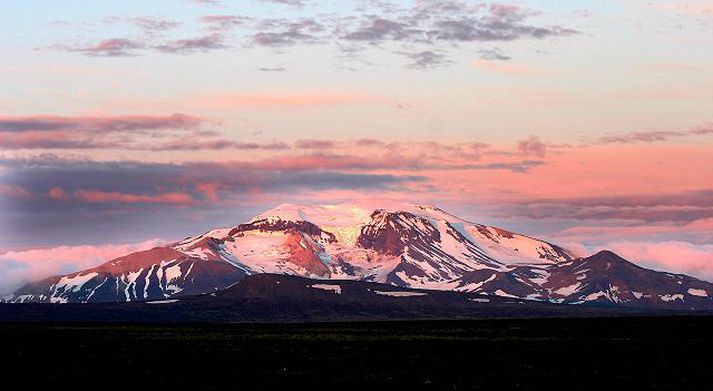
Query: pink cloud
x=614, y=169
x=13, y=191
x=315, y=144
x=532, y=146
x=57, y=193
x=508, y=69
x=20, y=267
x=209, y=190
x=608, y=232
x=671, y=256
x=114, y=47
x=95, y=196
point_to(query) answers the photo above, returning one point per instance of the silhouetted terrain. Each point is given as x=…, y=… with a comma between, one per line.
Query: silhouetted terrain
x=667, y=353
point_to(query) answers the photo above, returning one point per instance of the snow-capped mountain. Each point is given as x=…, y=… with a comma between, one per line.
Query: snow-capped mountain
x=404, y=245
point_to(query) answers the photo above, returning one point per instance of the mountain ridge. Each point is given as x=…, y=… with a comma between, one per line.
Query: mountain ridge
x=411, y=246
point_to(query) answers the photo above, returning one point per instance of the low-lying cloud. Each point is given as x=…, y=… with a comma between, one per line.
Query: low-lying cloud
x=21, y=267
x=669, y=256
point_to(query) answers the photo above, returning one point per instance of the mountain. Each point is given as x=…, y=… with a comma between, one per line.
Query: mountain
x=411, y=246
x=280, y=297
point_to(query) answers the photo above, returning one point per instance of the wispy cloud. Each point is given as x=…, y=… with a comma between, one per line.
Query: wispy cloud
x=532, y=146
x=272, y=69
x=223, y=22
x=454, y=21
x=494, y=54
x=148, y=24
x=424, y=32
x=315, y=144
x=206, y=2
x=191, y=45
x=425, y=59
x=296, y=3
x=682, y=207
x=133, y=132
x=114, y=47
x=285, y=32
x=654, y=135
x=99, y=124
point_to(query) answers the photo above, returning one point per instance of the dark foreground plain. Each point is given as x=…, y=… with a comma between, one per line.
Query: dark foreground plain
x=664, y=353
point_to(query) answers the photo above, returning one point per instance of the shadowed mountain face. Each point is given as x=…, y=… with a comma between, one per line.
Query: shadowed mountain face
x=397, y=244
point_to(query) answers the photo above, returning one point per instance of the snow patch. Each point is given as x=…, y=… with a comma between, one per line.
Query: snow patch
x=400, y=293
x=326, y=287
x=671, y=297
x=502, y=293
x=568, y=290
x=697, y=292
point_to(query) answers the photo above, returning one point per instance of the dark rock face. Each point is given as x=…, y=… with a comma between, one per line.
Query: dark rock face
x=303, y=253
x=419, y=244
x=390, y=233
x=267, y=225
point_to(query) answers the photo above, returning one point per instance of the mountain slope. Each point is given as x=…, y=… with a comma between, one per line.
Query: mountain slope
x=398, y=244
x=275, y=297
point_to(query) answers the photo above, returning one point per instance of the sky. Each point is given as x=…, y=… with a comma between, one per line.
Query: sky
x=128, y=124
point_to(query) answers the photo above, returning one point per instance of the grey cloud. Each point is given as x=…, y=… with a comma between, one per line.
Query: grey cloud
x=532, y=146
x=128, y=132
x=272, y=69
x=114, y=47
x=420, y=29
x=378, y=29
x=284, y=32
x=494, y=54
x=219, y=144
x=454, y=21
x=52, y=220
x=123, y=47
x=315, y=144
x=296, y=3
x=224, y=22
x=191, y=45
x=99, y=123
x=426, y=59
x=681, y=208
x=469, y=30
x=653, y=135
x=149, y=24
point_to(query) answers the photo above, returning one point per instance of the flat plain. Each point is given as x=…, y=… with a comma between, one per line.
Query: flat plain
x=566, y=353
